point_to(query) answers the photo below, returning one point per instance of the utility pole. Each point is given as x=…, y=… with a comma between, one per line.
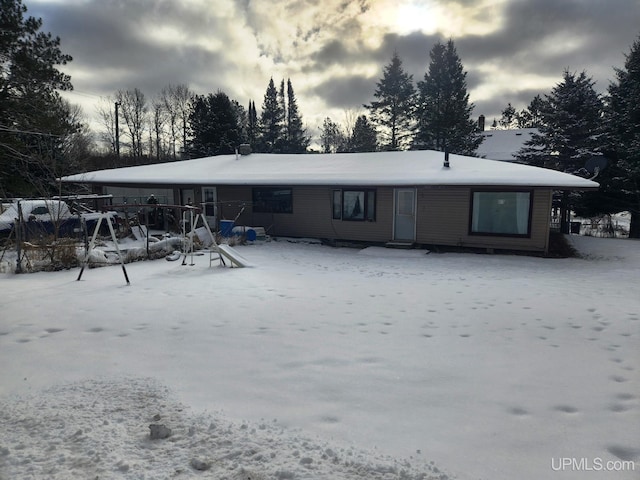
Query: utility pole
x=117, y=104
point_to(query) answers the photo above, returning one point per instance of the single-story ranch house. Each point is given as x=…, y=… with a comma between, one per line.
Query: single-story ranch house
x=414, y=197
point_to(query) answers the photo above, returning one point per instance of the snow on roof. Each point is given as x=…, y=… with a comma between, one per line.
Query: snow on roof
x=504, y=144
x=418, y=167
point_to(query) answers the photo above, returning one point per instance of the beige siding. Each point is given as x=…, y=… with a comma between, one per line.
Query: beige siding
x=312, y=215
x=443, y=219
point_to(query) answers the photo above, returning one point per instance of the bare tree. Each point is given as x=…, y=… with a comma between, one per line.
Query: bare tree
x=171, y=111
x=77, y=146
x=176, y=100
x=106, y=113
x=157, y=131
x=350, y=118
x=134, y=108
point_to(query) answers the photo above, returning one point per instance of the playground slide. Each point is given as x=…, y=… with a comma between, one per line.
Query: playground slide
x=233, y=255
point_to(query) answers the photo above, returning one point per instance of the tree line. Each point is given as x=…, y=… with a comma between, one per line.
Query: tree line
x=179, y=124
x=43, y=137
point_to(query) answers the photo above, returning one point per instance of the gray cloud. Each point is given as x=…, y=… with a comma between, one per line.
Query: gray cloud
x=346, y=92
x=237, y=46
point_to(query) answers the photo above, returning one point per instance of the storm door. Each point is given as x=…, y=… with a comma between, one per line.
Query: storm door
x=404, y=219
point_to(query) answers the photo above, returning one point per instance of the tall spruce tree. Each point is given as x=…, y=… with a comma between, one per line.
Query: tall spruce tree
x=394, y=111
x=364, y=138
x=571, y=128
x=570, y=134
x=271, y=121
x=296, y=140
x=444, y=111
x=252, y=124
x=623, y=121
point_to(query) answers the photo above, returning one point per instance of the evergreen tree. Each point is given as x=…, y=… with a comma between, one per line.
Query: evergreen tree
x=271, y=121
x=570, y=131
x=296, y=140
x=283, y=140
x=508, y=120
x=444, y=111
x=214, y=125
x=569, y=135
x=531, y=117
x=622, y=180
x=252, y=124
x=34, y=120
x=242, y=119
x=394, y=111
x=364, y=138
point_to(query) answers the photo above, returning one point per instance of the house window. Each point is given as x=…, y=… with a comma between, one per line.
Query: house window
x=272, y=200
x=354, y=205
x=501, y=213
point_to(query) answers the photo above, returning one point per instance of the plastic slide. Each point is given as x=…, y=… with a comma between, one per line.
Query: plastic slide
x=233, y=255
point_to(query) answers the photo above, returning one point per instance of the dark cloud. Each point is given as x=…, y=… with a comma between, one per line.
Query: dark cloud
x=116, y=44
x=346, y=92
x=547, y=36
x=413, y=49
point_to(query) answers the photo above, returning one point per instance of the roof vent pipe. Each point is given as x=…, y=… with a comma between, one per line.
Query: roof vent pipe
x=446, y=158
x=236, y=154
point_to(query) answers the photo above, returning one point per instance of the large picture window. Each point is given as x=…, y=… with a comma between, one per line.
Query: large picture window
x=354, y=205
x=272, y=200
x=501, y=213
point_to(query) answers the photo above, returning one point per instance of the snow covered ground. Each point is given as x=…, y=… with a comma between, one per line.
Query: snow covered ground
x=327, y=363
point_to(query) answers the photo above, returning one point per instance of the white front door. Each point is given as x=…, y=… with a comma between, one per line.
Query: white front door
x=404, y=218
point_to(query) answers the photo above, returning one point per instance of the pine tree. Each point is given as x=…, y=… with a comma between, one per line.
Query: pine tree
x=271, y=121
x=444, y=111
x=508, y=120
x=296, y=140
x=364, y=138
x=252, y=124
x=570, y=132
x=623, y=139
x=569, y=135
x=531, y=117
x=242, y=119
x=34, y=119
x=393, y=112
x=214, y=125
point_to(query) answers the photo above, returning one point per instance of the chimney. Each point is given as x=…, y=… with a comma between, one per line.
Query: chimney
x=245, y=149
x=481, y=123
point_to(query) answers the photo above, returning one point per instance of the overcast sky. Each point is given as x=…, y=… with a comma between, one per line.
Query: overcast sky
x=334, y=51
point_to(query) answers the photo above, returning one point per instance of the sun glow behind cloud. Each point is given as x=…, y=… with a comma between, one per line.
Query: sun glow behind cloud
x=418, y=16
x=451, y=19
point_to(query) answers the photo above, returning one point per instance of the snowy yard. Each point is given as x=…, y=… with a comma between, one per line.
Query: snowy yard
x=327, y=363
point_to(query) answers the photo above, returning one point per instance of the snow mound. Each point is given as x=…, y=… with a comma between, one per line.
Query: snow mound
x=100, y=429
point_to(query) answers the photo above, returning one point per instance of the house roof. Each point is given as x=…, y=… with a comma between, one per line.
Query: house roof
x=407, y=168
x=504, y=144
